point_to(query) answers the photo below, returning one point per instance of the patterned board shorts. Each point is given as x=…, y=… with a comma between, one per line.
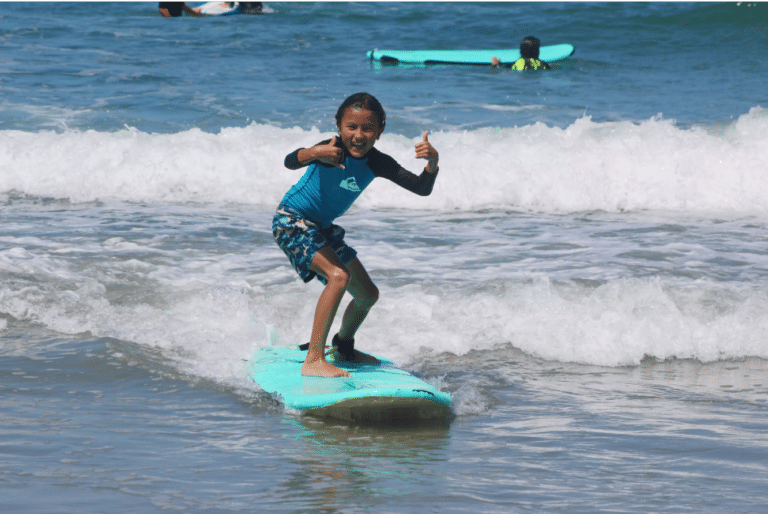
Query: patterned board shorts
x=300, y=239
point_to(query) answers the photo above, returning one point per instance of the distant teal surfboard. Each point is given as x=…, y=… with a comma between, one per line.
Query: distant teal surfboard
x=374, y=392
x=549, y=53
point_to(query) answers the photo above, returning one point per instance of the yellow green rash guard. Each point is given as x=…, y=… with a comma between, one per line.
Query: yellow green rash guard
x=325, y=192
x=529, y=64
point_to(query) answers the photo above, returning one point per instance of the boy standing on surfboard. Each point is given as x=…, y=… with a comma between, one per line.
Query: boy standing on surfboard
x=338, y=170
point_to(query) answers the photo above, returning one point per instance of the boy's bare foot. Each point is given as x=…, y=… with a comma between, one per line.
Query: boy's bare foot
x=322, y=368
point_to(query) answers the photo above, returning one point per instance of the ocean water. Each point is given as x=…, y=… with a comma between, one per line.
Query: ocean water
x=588, y=279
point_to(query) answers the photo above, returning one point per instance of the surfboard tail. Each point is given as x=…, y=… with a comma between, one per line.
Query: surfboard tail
x=386, y=409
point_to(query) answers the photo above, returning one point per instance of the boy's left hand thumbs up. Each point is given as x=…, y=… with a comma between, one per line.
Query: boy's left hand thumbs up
x=425, y=150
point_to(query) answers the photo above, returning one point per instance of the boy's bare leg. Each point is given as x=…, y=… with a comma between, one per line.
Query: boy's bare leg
x=364, y=294
x=328, y=263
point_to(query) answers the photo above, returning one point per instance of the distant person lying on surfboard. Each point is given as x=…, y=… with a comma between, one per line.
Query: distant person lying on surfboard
x=338, y=171
x=529, y=60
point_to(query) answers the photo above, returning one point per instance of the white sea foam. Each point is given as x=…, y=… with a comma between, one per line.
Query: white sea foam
x=606, y=290
x=613, y=167
x=209, y=314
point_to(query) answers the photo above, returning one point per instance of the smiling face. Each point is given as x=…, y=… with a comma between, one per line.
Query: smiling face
x=359, y=130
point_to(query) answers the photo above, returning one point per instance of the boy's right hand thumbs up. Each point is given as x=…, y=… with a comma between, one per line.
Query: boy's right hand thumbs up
x=332, y=154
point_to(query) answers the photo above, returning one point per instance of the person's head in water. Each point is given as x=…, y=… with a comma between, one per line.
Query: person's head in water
x=529, y=48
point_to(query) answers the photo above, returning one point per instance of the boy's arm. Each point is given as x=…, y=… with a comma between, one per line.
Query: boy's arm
x=326, y=152
x=385, y=166
x=420, y=184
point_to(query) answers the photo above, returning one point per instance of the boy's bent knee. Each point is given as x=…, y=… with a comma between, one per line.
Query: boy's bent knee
x=369, y=298
x=338, y=277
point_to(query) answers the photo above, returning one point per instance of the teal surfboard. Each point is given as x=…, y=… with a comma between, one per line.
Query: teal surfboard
x=549, y=53
x=373, y=392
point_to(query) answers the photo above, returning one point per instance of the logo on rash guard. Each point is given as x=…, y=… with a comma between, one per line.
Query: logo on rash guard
x=350, y=184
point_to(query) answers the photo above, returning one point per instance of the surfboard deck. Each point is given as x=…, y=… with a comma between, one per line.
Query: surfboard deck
x=550, y=53
x=219, y=9
x=373, y=392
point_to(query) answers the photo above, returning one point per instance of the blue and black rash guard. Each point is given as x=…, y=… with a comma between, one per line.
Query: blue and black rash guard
x=325, y=192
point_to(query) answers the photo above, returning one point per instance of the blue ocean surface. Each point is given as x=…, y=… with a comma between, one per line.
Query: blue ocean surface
x=588, y=279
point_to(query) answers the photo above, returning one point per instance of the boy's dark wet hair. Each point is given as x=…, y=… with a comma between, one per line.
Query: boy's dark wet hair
x=363, y=101
x=529, y=48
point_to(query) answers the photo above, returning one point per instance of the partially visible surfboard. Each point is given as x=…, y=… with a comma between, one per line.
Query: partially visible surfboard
x=373, y=392
x=549, y=53
x=219, y=8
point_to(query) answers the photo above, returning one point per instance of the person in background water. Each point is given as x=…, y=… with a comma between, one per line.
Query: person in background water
x=174, y=9
x=252, y=7
x=338, y=170
x=529, y=60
